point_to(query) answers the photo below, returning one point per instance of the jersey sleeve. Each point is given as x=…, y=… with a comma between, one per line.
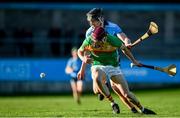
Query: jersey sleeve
x=117, y=29
x=89, y=32
x=69, y=63
x=114, y=41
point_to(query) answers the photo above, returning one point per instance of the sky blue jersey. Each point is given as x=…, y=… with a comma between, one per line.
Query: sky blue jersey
x=110, y=28
x=75, y=64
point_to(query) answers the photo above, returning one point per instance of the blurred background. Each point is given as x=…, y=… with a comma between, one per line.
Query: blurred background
x=38, y=37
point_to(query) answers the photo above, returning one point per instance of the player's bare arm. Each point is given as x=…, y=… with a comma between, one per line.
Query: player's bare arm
x=84, y=58
x=81, y=72
x=124, y=38
x=128, y=53
x=68, y=70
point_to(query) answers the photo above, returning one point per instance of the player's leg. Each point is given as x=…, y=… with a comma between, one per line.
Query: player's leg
x=124, y=89
x=123, y=99
x=120, y=82
x=96, y=91
x=74, y=89
x=79, y=90
x=99, y=78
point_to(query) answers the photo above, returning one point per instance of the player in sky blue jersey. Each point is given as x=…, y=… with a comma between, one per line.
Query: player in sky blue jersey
x=72, y=68
x=95, y=19
x=111, y=28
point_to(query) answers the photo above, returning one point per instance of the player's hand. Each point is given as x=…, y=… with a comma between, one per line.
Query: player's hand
x=88, y=59
x=80, y=75
x=137, y=63
x=129, y=46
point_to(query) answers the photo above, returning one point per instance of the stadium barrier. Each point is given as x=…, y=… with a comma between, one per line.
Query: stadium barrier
x=23, y=75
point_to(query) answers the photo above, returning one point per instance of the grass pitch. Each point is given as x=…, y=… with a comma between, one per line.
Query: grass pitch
x=166, y=103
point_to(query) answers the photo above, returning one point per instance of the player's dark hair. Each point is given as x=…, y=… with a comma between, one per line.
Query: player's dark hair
x=95, y=13
x=74, y=49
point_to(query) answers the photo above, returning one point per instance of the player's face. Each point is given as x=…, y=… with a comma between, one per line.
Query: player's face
x=94, y=23
x=74, y=53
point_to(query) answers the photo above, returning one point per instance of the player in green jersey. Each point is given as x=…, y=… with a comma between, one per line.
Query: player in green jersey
x=99, y=49
x=96, y=19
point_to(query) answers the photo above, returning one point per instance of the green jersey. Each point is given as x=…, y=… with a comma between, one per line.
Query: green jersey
x=103, y=52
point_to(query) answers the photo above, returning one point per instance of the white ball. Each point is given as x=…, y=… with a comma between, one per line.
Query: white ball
x=42, y=75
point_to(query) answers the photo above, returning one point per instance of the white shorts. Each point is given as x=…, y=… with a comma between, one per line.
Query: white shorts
x=109, y=70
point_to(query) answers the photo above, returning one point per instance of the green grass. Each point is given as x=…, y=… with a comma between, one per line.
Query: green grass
x=165, y=102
